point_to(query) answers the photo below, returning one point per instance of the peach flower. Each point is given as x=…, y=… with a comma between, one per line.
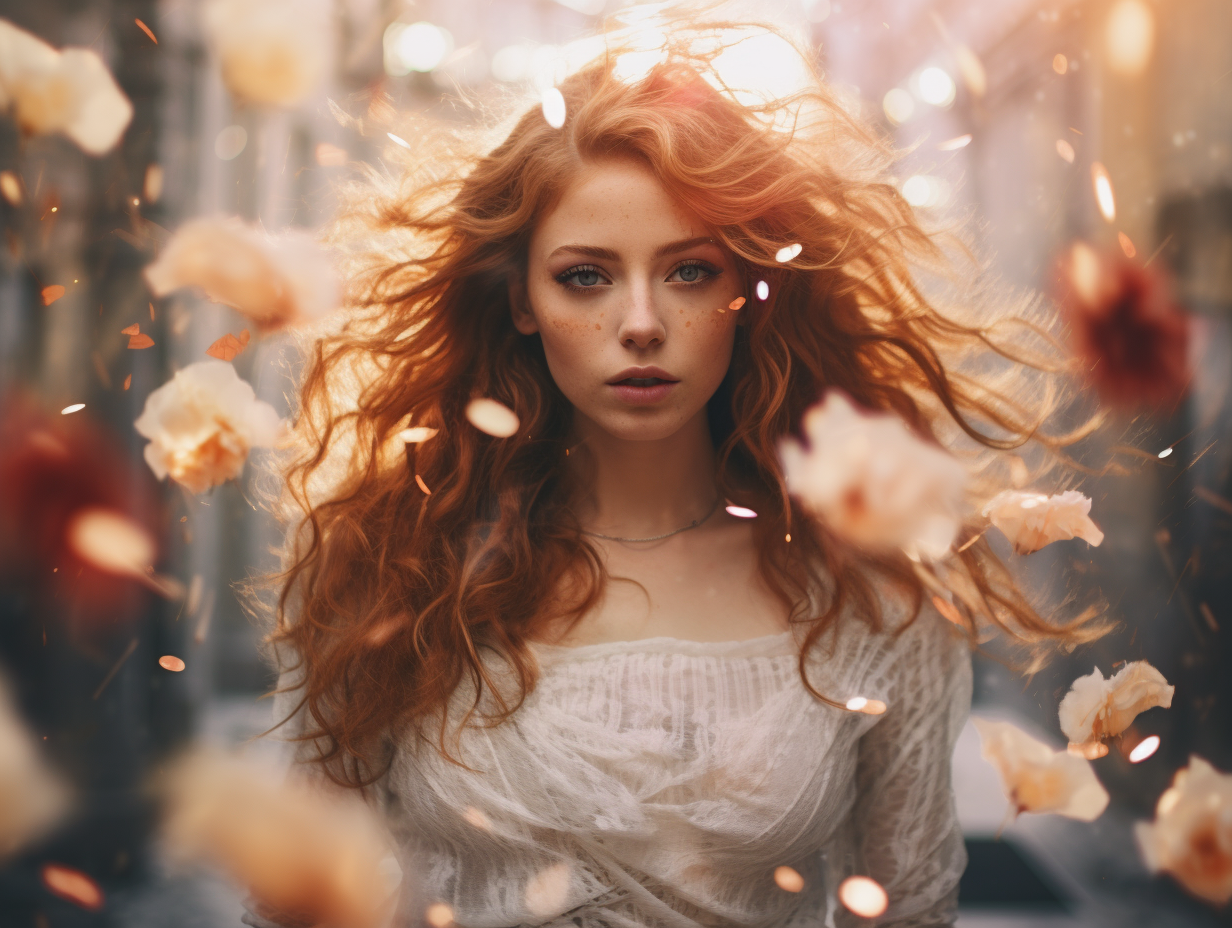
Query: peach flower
x=1191, y=837
x=202, y=424
x=1032, y=520
x=1039, y=779
x=70, y=91
x=872, y=481
x=273, y=52
x=273, y=280
x=1095, y=708
x=306, y=855
x=32, y=799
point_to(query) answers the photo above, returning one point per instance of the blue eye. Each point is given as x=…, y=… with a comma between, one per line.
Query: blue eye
x=694, y=272
x=585, y=277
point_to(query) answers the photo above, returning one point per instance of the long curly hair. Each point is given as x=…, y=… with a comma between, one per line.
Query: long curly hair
x=407, y=561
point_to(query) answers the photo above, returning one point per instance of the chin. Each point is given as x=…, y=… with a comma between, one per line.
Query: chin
x=643, y=425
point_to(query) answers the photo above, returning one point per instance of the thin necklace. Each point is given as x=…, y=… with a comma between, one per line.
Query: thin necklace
x=694, y=524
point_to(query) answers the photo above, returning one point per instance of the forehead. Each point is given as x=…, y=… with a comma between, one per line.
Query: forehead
x=616, y=203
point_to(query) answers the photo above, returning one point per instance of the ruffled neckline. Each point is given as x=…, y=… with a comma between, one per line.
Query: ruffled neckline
x=778, y=643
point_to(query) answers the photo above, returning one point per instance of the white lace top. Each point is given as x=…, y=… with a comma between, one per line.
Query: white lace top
x=661, y=783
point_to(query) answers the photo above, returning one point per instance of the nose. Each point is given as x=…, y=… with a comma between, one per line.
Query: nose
x=641, y=325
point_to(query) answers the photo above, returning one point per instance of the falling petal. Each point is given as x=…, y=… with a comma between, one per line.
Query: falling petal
x=417, y=434
x=75, y=407
x=740, y=512
x=171, y=662
x=1039, y=779
x=147, y=30
x=1102, y=184
x=863, y=896
x=111, y=541
x=1065, y=150
x=788, y=879
x=72, y=885
x=226, y=348
x=140, y=341
x=961, y=141
x=1144, y=749
x=1032, y=520
x=128, y=381
x=1127, y=246
x=423, y=486
x=553, y=107
x=1095, y=708
x=10, y=188
x=948, y=610
x=134, y=329
x=763, y=290
x=492, y=417
x=52, y=293
x=736, y=303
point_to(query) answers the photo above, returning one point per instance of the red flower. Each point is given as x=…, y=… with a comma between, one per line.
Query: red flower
x=1125, y=327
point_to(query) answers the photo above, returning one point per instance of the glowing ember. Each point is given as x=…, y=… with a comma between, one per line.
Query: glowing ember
x=1065, y=150
x=171, y=662
x=788, y=537
x=547, y=891
x=740, y=512
x=496, y=419
x=147, y=30
x=1144, y=749
x=1165, y=453
x=439, y=915
x=553, y=107
x=736, y=303
x=961, y=141
x=763, y=290
x=110, y=541
x=52, y=293
x=1060, y=63
x=229, y=346
x=73, y=885
x=10, y=188
x=863, y=896
x=416, y=434
x=1129, y=37
x=1127, y=246
x=788, y=879
x=787, y=253
x=423, y=486
x=75, y=407
x=1102, y=184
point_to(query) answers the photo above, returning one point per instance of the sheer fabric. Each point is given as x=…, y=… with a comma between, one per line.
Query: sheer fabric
x=661, y=783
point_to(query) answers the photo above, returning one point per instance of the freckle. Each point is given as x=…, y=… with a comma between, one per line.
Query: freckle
x=598, y=328
x=682, y=312
x=687, y=324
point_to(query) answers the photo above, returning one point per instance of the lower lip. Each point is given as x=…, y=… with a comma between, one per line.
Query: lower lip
x=643, y=396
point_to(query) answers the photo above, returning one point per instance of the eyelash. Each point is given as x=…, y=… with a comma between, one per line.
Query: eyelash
x=711, y=271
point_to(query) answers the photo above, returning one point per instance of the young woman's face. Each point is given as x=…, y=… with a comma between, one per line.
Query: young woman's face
x=630, y=295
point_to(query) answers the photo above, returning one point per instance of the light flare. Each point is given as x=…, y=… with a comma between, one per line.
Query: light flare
x=863, y=896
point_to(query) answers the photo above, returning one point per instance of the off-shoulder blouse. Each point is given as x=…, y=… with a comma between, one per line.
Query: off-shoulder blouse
x=663, y=782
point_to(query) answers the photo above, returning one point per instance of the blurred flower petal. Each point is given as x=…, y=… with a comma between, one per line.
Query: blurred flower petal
x=140, y=341
x=1095, y=708
x=111, y=541
x=32, y=798
x=1191, y=837
x=228, y=347
x=416, y=434
x=52, y=293
x=788, y=879
x=273, y=280
x=1039, y=779
x=202, y=424
x=71, y=92
x=274, y=52
x=73, y=885
x=496, y=419
x=872, y=482
x=548, y=891
x=1032, y=520
x=171, y=662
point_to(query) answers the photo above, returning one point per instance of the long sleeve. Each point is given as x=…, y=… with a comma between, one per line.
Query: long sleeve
x=905, y=824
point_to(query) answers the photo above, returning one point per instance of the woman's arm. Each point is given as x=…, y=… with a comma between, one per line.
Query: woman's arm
x=906, y=826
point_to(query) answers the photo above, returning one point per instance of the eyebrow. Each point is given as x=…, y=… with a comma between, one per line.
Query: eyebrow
x=608, y=254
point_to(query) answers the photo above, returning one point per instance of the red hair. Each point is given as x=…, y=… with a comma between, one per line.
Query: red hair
x=397, y=592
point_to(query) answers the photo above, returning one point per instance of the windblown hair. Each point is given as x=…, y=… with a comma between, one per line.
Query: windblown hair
x=391, y=593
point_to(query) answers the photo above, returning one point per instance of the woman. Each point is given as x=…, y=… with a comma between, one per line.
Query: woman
x=582, y=690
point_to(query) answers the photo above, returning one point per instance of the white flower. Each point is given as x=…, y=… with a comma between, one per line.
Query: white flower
x=70, y=91
x=32, y=799
x=271, y=51
x=273, y=280
x=1095, y=708
x=299, y=850
x=1039, y=779
x=873, y=482
x=202, y=424
x=1032, y=520
x=1191, y=837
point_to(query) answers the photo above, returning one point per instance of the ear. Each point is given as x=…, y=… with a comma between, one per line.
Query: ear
x=519, y=306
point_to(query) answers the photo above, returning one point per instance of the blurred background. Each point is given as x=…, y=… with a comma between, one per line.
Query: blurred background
x=1002, y=108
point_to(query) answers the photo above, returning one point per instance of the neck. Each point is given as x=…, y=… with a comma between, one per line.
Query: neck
x=636, y=489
